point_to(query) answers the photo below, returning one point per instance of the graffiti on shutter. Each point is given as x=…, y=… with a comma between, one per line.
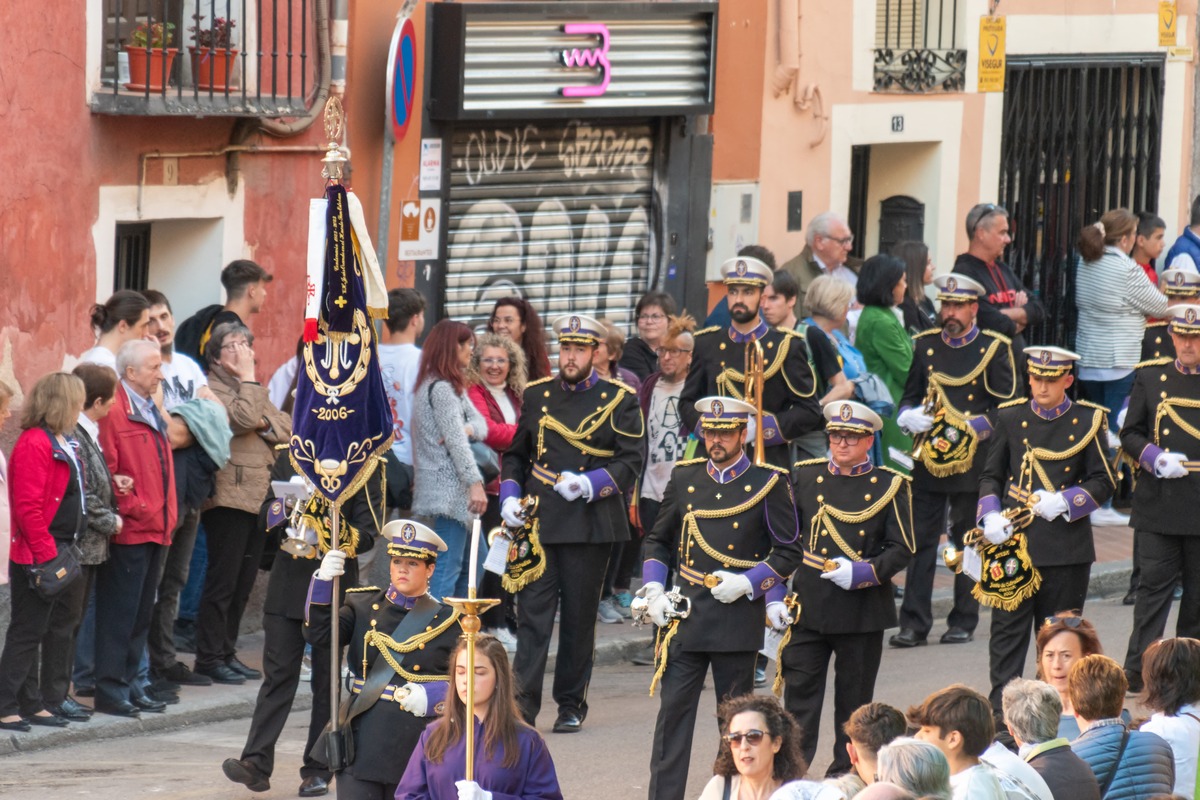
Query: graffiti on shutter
x=559, y=214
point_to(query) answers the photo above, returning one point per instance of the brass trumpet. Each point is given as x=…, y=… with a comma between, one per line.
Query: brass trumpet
x=754, y=389
x=681, y=607
x=1019, y=516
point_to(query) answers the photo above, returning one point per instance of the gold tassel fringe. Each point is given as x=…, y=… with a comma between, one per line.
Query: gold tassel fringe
x=660, y=652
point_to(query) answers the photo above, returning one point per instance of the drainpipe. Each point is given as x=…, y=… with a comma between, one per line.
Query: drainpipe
x=788, y=68
x=321, y=22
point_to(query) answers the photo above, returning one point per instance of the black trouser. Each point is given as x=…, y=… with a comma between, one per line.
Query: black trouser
x=805, y=667
x=125, y=589
x=573, y=578
x=1063, y=589
x=27, y=686
x=235, y=547
x=351, y=788
x=626, y=559
x=929, y=523
x=170, y=586
x=1162, y=557
x=505, y=614
x=682, y=682
x=283, y=649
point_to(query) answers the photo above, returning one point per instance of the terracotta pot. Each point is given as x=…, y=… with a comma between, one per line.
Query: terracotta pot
x=212, y=68
x=146, y=66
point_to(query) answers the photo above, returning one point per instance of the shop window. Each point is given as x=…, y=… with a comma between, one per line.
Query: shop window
x=917, y=46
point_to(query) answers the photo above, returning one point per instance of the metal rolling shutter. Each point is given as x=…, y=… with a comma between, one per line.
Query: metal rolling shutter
x=558, y=213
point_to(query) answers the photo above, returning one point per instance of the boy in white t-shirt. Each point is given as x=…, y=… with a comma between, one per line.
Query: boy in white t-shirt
x=399, y=360
x=958, y=721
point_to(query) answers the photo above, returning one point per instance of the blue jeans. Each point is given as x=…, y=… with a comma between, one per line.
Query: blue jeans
x=450, y=563
x=189, y=600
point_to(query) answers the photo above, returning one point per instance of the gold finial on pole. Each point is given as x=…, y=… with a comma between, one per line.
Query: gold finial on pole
x=470, y=608
x=335, y=155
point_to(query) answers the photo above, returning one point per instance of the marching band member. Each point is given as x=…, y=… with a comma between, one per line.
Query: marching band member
x=959, y=374
x=732, y=528
x=1180, y=286
x=577, y=450
x=1048, y=453
x=1162, y=429
x=858, y=519
x=789, y=398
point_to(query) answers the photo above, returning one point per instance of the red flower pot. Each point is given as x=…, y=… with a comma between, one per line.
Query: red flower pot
x=212, y=68
x=146, y=67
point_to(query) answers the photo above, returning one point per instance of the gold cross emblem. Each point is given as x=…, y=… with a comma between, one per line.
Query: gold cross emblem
x=341, y=301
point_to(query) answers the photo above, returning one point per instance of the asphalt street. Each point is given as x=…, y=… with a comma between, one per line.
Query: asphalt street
x=608, y=760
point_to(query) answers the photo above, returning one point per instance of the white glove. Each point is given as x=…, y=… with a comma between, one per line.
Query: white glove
x=914, y=420
x=569, y=486
x=778, y=616
x=1050, y=505
x=843, y=576
x=510, y=512
x=333, y=564
x=658, y=608
x=731, y=587
x=415, y=701
x=996, y=529
x=470, y=790
x=1114, y=441
x=1170, y=465
x=1121, y=417
x=650, y=591
x=751, y=428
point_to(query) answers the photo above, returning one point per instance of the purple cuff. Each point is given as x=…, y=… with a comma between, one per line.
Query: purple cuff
x=509, y=488
x=862, y=575
x=654, y=572
x=1150, y=454
x=982, y=426
x=771, y=434
x=987, y=504
x=762, y=579
x=603, y=486
x=320, y=593
x=903, y=409
x=776, y=593
x=1079, y=503
x=435, y=697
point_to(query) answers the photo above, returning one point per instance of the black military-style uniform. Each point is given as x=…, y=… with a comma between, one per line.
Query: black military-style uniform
x=739, y=520
x=1157, y=342
x=976, y=373
x=789, y=399
x=864, y=514
x=1033, y=450
x=594, y=428
x=385, y=735
x=1164, y=415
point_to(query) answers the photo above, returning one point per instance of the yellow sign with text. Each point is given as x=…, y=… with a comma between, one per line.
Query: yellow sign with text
x=1168, y=23
x=991, y=54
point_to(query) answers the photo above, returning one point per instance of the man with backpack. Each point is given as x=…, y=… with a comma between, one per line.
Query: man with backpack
x=245, y=285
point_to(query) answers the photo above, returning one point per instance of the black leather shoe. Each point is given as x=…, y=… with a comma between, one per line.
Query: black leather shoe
x=249, y=673
x=907, y=637
x=179, y=674
x=222, y=673
x=19, y=725
x=163, y=696
x=1136, y=684
x=313, y=786
x=243, y=773
x=147, y=703
x=568, y=722
x=121, y=708
x=1130, y=598
x=52, y=721
x=69, y=709
x=956, y=636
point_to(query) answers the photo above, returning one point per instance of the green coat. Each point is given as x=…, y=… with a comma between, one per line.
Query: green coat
x=888, y=351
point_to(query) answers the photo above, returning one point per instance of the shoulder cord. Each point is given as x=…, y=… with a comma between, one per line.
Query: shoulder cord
x=1031, y=461
x=821, y=520
x=590, y=424
x=694, y=535
x=1168, y=408
x=386, y=645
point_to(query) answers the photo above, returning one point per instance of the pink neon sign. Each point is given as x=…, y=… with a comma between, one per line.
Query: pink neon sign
x=593, y=57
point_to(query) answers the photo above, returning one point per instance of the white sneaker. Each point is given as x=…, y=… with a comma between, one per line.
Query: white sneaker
x=1106, y=517
x=506, y=638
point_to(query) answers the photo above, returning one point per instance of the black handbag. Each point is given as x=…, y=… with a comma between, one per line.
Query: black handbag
x=52, y=577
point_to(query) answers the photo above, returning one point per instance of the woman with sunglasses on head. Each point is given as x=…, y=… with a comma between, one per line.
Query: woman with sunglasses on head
x=1062, y=640
x=511, y=759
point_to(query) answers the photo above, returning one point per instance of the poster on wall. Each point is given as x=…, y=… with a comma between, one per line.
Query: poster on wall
x=431, y=165
x=991, y=54
x=1168, y=23
x=420, y=229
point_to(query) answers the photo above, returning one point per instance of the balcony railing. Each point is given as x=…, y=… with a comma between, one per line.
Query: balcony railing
x=916, y=47
x=260, y=58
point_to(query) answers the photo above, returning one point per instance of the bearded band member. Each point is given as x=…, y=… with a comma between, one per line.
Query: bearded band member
x=959, y=374
x=577, y=450
x=732, y=527
x=399, y=642
x=1047, y=453
x=858, y=519
x=1162, y=431
x=719, y=359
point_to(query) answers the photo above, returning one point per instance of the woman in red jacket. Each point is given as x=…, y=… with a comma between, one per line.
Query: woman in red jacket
x=497, y=375
x=46, y=498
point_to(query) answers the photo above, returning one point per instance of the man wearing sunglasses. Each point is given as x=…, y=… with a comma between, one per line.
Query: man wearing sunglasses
x=789, y=402
x=1049, y=453
x=959, y=374
x=1005, y=305
x=732, y=528
x=857, y=524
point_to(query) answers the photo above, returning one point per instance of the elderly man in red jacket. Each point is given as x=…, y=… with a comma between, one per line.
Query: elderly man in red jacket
x=134, y=439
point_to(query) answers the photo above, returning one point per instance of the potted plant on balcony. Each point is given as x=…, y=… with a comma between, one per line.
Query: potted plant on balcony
x=213, y=55
x=149, y=47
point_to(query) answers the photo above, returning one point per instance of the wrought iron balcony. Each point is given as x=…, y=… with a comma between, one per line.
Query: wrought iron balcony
x=916, y=47
x=207, y=58
x=920, y=71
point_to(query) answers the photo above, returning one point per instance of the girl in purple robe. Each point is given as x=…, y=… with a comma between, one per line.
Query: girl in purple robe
x=511, y=759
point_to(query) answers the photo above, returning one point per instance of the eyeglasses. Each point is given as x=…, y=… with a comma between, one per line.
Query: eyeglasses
x=651, y=317
x=846, y=438
x=493, y=362
x=234, y=345
x=670, y=351
x=844, y=241
x=752, y=738
x=1070, y=622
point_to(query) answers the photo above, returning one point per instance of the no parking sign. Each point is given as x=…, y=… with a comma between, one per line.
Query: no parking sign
x=401, y=78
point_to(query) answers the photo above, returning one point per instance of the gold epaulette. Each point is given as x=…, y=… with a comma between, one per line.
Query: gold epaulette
x=1013, y=403
x=780, y=470
x=688, y=461
x=363, y=589
x=790, y=332
x=703, y=331
x=539, y=381
x=1089, y=404
x=1161, y=324
x=996, y=335
x=895, y=472
x=621, y=385
x=808, y=462
x=929, y=332
x=1155, y=362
